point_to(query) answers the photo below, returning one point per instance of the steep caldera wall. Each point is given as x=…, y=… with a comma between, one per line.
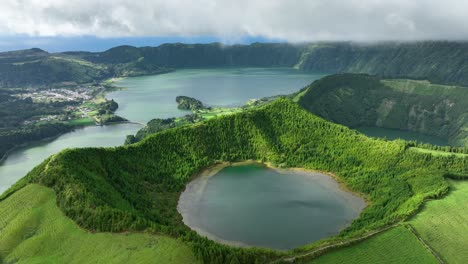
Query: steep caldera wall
x=361, y=100
x=437, y=61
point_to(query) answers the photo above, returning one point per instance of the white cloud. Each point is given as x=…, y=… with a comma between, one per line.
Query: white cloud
x=290, y=20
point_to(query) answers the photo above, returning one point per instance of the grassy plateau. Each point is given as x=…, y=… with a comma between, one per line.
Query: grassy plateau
x=443, y=224
x=397, y=245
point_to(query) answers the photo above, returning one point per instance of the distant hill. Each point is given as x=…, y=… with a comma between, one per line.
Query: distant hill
x=361, y=100
x=19, y=56
x=437, y=61
x=48, y=70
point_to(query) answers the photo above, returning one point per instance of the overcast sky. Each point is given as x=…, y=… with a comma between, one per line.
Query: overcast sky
x=234, y=20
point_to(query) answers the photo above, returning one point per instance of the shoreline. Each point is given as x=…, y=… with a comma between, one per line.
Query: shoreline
x=26, y=144
x=73, y=128
x=30, y=143
x=199, y=180
x=214, y=169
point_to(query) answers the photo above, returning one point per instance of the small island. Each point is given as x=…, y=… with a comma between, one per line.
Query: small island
x=189, y=103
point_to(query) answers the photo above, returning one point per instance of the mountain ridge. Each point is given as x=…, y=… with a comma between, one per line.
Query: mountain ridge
x=441, y=62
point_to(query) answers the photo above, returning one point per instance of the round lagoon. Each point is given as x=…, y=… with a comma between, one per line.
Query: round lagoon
x=252, y=205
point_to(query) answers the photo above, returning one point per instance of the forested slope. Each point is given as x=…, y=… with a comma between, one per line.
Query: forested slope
x=136, y=187
x=438, y=61
x=46, y=70
x=361, y=100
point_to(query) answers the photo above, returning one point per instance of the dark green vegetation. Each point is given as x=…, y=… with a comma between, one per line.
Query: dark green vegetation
x=15, y=111
x=13, y=137
x=156, y=125
x=437, y=61
x=37, y=68
x=189, y=103
x=199, y=114
x=440, y=62
x=136, y=187
x=361, y=100
x=22, y=120
x=392, y=134
x=102, y=110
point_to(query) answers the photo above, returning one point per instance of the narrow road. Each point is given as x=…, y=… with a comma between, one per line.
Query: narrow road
x=415, y=233
x=319, y=250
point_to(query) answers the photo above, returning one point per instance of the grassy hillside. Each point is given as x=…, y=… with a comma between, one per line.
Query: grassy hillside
x=442, y=224
x=136, y=187
x=358, y=100
x=48, y=70
x=397, y=245
x=34, y=230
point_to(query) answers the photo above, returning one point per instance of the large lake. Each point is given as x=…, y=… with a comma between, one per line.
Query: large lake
x=253, y=205
x=154, y=96
x=22, y=160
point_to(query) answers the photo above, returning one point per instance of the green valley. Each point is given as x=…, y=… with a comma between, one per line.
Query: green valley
x=234, y=132
x=136, y=187
x=120, y=204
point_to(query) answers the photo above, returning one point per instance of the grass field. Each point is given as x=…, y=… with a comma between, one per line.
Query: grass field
x=443, y=224
x=218, y=111
x=397, y=245
x=34, y=230
x=422, y=87
x=81, y=122
x=438, y=152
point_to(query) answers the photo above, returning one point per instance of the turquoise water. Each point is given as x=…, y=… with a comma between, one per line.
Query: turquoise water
x=154, y=96
x=22, y=160
x=393, y=134
x=252, y=205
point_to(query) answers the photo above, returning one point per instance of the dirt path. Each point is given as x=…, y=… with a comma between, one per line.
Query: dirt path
x=415, y=233
x=318, y=251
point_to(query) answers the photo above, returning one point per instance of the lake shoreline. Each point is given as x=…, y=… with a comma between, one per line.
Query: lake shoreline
x=199, y=180
x=214, y=169
x=33, y=142
x=30, y=143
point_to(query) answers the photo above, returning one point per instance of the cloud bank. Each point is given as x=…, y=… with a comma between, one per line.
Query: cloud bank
x=289, y=20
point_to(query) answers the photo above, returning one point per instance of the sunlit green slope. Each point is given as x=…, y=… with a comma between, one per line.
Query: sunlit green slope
x=443, y=224
x=136, y=187
x=34, y=230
